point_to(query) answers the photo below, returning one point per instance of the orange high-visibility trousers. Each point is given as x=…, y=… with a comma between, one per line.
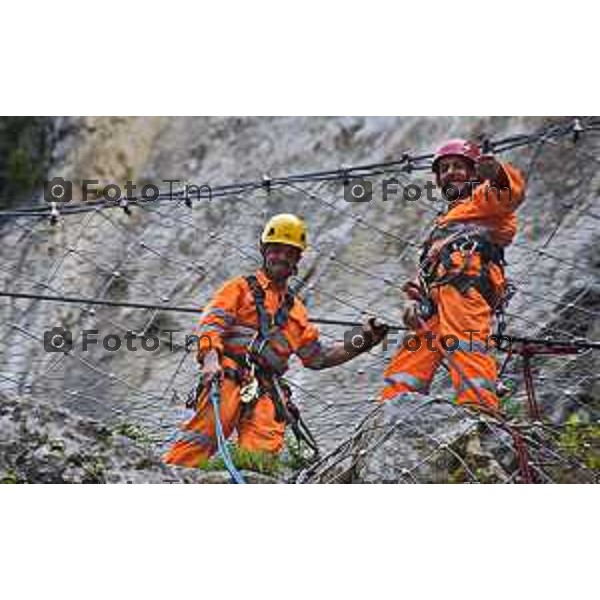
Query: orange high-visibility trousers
x=257, y=431
x=466, y=317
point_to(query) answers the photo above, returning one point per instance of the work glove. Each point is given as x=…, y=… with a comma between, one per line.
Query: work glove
x=211, y=368
x=413, y=290
x=411, y=316
x=375, y=330
x=489, y=169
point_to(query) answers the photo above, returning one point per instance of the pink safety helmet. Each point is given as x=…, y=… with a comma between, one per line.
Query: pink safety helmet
x=458, y=147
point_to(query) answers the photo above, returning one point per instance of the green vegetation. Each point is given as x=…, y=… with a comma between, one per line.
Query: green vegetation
x=582, y=441
x=509, y=404
x=291, y=459
x=133, y=432
x=25, y=152
x=261, y=462
x=94, y=471
x=294, y=457
x=10, y=476
x=57, y=447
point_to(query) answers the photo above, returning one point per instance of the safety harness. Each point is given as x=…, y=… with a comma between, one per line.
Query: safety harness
x=468, y=240
x=261, y=367
x=265, y=363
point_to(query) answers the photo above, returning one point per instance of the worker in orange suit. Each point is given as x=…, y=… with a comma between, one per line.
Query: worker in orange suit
x=461, y=282
x=247, y=334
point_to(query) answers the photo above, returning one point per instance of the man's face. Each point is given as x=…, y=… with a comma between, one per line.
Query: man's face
x=281, y=260
x=456, y=171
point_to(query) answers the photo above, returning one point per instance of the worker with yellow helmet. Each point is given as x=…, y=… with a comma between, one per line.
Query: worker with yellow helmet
x=247, y=333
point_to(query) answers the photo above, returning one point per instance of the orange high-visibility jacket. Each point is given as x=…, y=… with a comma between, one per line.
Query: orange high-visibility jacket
x=491, y=208
x=462, y=313
x=230, y=321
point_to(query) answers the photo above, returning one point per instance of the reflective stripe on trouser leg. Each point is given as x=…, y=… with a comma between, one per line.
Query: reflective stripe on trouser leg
x=190, y=449
x=411, y=371
x=477, y=389
x=196, y=442
x=476, y=361
x=468, y=316
x=479, y=383
x=409, y=382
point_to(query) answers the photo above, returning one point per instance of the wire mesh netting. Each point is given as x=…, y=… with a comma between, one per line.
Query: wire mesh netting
x=123, y=283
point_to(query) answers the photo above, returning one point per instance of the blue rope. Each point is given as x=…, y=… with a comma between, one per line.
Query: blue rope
x=215, y=396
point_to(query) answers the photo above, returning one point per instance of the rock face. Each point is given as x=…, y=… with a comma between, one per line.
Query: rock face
x=41, y=444
x=434, y=441
x=359, y=256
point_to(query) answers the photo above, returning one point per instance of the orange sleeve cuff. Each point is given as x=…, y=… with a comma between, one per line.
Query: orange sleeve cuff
x=493, y=199
x=516, y=182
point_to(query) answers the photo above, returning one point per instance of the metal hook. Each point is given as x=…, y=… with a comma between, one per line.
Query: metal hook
x=578, y=129
x=267, y=181
x=54, y=214
x=124, y=204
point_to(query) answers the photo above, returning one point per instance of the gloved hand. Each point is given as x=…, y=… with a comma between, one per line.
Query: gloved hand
x=489, y=169
x=413, y=289
x=411, y=316
x=211, y=368
x=376, y=330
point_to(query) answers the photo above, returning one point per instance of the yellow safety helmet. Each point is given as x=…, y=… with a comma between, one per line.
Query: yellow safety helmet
x=285, y=229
